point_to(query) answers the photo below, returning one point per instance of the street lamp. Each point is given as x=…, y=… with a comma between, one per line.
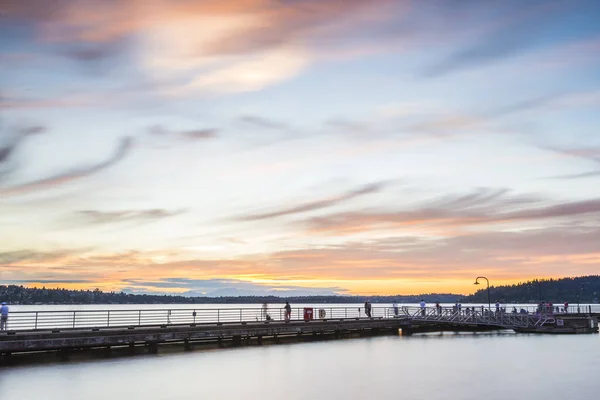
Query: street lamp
x=488, y=290
x=579, y=289
x=539, y=289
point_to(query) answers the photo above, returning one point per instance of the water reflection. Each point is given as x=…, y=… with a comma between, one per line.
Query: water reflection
x=497, y=365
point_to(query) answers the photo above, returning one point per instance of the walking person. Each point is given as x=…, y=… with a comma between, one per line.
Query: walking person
x=288, y=311
x=3, y=316
x=395, y=306
x=422, y=305
x=368, y=308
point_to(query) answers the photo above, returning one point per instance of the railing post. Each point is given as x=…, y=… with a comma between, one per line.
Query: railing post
x=108, y=319
x=345, y=312
x=36, y=319
x=74, y=318
x=241, y=315
x=139, y=317
x=218, y=315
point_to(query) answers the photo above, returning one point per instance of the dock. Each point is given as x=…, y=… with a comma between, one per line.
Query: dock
x=65, y=332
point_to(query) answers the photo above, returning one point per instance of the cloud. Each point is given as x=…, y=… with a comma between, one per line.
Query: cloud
x=587, y=153
x=223, y=287
x=71, y=175
x=52, y=282
x=192, y=135
x=506, y=29
x=479, y=209
x=262, y=122
x=94, y=52
x=589, y=174
x=9, y=144
x=12, y=142
x=200, y=134
x=235, y=46
x=396, y=264
x=106, y=217
x=317, y=205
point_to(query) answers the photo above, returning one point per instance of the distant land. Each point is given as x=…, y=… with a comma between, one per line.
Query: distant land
x=555, y=290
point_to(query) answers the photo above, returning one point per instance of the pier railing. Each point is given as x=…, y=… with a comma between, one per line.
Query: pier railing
x=508, y=317
x=48, y=320
x=498, y=317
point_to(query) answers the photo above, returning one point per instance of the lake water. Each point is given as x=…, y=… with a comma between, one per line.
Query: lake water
x=433, y=366
x=445, y=366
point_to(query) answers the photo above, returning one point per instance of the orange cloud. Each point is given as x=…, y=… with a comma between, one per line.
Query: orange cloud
x=393, y=265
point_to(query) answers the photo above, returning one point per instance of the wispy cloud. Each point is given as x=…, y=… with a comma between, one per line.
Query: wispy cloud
x=505, y=29
x=464, y=211
x=10, y=143
x=107, y=217
x=316, y=205
x=590, y=153
x=262, y=122
x=71, y=175
x=196, y=134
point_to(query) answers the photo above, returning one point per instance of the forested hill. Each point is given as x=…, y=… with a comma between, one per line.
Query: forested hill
x=554, y=290
x=23, y=295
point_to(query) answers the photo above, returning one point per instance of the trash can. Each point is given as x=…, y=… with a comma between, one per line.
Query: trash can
x=322, y=313
x=308, y=314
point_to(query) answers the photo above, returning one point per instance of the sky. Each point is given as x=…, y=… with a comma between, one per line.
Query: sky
x=298, y=147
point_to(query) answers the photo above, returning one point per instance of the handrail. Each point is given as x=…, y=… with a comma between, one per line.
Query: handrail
x=78, y=319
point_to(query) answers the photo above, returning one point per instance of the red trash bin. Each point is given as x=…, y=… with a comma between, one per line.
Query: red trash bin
x=308, y=314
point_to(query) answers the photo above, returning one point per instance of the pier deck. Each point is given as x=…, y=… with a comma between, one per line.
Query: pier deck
x=75, y=330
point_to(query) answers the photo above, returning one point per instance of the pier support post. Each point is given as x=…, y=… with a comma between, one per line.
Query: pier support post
x=236, y=341
x=63, y=354
x=260, y=341
x=186, y=345
x=153, y=348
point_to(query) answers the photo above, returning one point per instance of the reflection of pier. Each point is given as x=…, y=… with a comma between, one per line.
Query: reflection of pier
x=69, y=331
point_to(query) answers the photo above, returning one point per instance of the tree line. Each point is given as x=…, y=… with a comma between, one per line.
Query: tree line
x=24, y=295
x=587, y=288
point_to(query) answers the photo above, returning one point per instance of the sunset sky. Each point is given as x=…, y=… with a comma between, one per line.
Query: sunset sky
x=298, y=146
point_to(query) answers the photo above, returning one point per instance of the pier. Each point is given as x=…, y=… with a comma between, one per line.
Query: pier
x=65, y=332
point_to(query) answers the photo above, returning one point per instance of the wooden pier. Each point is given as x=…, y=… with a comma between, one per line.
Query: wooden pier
x=75, y=331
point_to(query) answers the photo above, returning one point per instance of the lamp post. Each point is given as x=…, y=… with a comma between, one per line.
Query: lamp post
x=488, y=290
x=539, y=287
x=579, y=289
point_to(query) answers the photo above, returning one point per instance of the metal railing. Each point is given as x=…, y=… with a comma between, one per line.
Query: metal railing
x=78, y=319
x=479, y=316
x=510, y=316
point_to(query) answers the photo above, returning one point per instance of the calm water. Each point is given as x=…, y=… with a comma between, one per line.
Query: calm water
x=433, y=366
